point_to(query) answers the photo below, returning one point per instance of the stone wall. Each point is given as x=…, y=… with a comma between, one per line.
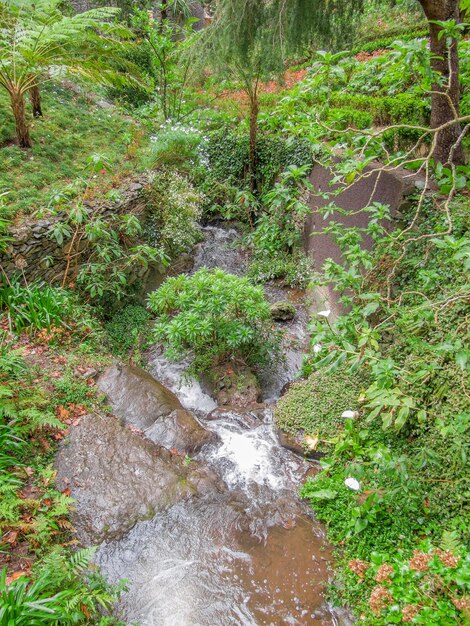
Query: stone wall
x=387, y=187
x=34, y=252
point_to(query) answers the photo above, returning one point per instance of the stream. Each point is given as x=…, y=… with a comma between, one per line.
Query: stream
x=249, y=553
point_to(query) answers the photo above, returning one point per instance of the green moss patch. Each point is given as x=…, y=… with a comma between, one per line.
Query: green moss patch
x=314, y=406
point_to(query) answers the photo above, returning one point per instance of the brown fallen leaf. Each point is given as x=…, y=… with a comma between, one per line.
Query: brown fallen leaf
x=62, y=413
x=10, y=537
x=15, y=576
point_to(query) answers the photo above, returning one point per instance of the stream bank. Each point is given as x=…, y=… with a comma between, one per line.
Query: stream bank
x=232, y=544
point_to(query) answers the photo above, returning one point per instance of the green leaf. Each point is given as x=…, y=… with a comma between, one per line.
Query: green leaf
x=360, y=525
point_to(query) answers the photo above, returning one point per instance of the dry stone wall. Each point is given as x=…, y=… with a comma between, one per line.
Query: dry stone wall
x=33, y=251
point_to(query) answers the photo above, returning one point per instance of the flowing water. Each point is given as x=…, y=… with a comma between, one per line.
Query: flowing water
x=249, y=553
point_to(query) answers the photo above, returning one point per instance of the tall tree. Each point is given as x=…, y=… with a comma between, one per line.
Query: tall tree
x=37, y=39
x=445, y=97
x=255, y=38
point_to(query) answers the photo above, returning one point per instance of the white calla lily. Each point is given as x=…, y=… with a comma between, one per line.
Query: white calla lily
x=352, y=483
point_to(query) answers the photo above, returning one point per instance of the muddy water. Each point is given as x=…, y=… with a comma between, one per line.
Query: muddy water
x=247, y=554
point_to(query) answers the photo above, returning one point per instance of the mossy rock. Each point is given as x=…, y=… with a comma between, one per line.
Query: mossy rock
x=312, y=408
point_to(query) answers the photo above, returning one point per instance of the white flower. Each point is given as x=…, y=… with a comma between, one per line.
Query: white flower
x=317, y=348
x=352, y=483
x=324, y=313
x=347, y=414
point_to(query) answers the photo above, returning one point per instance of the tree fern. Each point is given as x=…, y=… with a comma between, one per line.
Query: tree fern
x=38, y=40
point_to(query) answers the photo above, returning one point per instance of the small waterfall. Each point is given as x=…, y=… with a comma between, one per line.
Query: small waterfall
x=247, y=555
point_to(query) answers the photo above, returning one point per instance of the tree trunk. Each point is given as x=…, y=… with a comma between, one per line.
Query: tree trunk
x=254, y=110
x=35, y=97
x=163, y=16
x=19, y=112
x=445, y=98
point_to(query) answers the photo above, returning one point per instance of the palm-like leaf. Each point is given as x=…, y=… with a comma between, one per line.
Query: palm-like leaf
x=36, y=38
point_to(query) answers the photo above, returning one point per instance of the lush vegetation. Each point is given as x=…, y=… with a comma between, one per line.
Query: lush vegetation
x=71, y=129
x=226, y=125
x=214, y=316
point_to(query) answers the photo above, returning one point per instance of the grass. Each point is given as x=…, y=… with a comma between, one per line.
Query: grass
x=71, y=130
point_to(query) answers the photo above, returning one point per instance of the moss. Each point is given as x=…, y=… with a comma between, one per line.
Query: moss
x=314, y=406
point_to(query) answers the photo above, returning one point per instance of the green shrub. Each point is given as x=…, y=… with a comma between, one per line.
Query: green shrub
x=215, y=316
x=380, y=43
x=64, y=590
x=228, y=154
x=315, y=406
x=405, y=108
x=134, y=93
x=126, y=327
x=348, y=117
x=176, y=146
x=173, y=207
x=295, y=269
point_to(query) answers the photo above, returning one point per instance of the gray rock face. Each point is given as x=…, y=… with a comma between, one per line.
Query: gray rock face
x=282, y=311
x=149, y=406
x=118, y=477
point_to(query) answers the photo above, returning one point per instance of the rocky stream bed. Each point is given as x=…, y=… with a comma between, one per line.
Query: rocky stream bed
x=190, y=495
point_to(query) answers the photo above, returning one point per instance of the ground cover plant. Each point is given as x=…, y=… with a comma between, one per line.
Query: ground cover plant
x=41, y=580
x=71, y=129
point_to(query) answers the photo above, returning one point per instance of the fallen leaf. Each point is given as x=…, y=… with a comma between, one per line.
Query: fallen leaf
x=14, y=576
x=10, y=537
x=62, y=413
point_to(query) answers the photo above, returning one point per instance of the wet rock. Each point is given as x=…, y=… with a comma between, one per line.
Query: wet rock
x=282, y=311
x=290, y=442
x=117, y=477
x=299, y=445
x=149, y=406
x=234, y=386
x=250, y=417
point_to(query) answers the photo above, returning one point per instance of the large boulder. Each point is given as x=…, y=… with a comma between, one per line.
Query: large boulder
x=152, y=408
x=118, y=477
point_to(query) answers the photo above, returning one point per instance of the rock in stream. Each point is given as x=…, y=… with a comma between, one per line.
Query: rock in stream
x=117, y=477
x=149, y=406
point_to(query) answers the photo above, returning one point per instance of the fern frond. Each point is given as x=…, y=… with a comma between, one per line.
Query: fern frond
x=450, y=541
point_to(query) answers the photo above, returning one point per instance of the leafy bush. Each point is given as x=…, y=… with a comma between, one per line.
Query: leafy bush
x=173, y=207
x=397, y=473
x=228, y=154
x=65, y=590
x=295, y=269
x=404, y=108
x=344, y=117
x=381, y=43
x=176, y=146
x=214, y=316
x=134, y=94
x=126, y=328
